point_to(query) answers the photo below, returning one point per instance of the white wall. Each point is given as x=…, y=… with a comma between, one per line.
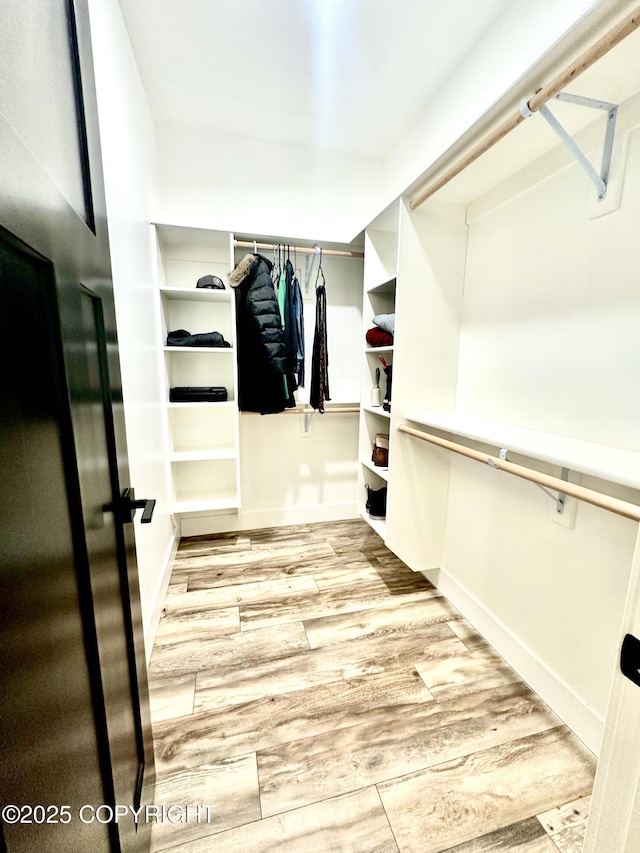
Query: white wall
x=549, y=340
x=344, y=324
x=211, y=180
x=291, y=476
x=128, y=151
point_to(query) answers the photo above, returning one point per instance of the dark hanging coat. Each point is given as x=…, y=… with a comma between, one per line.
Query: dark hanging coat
x=320, y=360
x=294, y=324
x=263, y=384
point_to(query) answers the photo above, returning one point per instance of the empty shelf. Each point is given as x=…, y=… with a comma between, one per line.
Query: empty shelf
x=597, y=460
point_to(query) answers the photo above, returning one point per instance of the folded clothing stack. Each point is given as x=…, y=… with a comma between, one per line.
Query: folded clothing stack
x=378, y=338
x=182, y=338
x=381, y=335
x=198, y=394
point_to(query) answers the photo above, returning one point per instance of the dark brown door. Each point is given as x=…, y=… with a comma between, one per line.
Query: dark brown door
x=74, y=723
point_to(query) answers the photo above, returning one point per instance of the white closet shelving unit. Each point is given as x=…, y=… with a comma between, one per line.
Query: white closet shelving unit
x=379, y=297
x=215, y=490
x=204, y=436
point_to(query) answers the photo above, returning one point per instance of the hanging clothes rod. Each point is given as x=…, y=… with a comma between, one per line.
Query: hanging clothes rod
x=305, y=250
x=590, y=56
x=620, y=507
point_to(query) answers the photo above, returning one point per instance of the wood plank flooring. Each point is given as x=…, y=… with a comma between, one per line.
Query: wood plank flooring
x=320, y=696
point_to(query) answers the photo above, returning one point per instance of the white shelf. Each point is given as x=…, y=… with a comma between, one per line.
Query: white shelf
x=205, y=505
x=380, y=526
x=377, y=410
x=380, y=350
x=387, y=286
x=228, y=404
x=200, y=294
x=383, y=473
x=597, y=460
x=218, y=350
x=337, y=404
x=202, y=455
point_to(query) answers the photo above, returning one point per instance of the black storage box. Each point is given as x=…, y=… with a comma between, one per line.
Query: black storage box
x=191, y=394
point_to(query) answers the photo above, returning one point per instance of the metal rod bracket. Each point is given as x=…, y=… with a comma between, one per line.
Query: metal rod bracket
x=523, y=106
x=309, y=259
x=601, y=178
x=560, y=498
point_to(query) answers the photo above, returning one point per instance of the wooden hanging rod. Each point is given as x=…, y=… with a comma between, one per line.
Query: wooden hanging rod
x=335, y=410
x=620, y=507
x=590, y=56
x=305, y=250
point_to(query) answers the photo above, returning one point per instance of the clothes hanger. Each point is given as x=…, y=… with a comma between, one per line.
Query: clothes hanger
x=320, y=272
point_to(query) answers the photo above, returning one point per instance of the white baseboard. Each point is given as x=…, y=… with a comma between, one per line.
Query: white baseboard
x=256, y=519
x=151, y=628
x=552, y=689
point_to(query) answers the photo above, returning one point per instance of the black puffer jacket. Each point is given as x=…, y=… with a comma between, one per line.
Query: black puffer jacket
x=263, y=383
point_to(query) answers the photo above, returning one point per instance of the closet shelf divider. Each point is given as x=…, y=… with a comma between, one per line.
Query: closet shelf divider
x=226, y=405
x=200, y=294
x=378, y=350
x=375, y=410
x=383, y=473
x=218, y=350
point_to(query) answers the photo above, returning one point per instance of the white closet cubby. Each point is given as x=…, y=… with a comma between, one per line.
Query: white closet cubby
x=204, y=436
x=379, y=297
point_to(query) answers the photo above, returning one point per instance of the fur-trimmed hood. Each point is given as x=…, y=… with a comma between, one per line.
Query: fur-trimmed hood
x=246, y=267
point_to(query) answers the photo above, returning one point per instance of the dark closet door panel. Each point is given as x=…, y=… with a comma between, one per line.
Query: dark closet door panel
x=74, y=721
x=48, y=732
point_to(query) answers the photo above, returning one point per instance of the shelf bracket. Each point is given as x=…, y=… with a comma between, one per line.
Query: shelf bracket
x=503, y=456
x=560, y=498
x=600, y=179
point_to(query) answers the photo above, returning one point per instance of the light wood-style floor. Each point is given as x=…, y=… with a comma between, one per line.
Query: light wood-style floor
x=321, y=697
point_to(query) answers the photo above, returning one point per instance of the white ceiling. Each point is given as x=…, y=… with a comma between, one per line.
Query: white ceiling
x=345, y=75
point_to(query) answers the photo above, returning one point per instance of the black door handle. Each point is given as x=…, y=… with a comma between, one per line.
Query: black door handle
x=630, y=658
x=129, y=504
